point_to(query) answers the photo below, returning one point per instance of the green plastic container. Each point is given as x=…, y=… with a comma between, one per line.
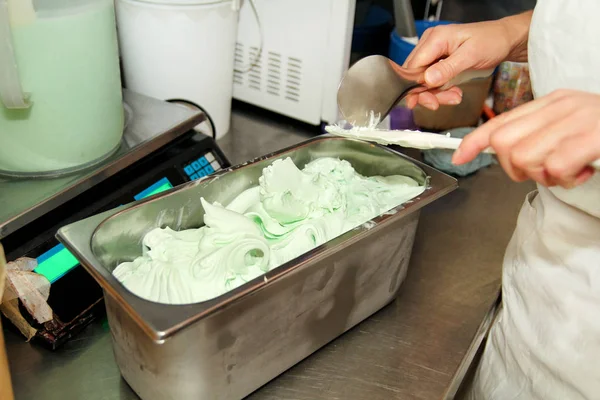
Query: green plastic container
x=61, y=107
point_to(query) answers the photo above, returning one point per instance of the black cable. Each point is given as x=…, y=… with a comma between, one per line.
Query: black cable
x=213, y=127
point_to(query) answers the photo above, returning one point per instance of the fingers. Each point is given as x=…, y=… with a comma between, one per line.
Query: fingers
x=547, y=134
x=412, y=100
x=428, y=100
x=552, y=140
x=523, y=144
x=452, y=96
x=583, y=177
x=426, y=51
x=479, y=140
x=568, y=164
x=445, y=70
x=434, y=98
x=434, y=44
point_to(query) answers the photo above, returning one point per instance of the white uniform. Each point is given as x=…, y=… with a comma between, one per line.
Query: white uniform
x=546, y=341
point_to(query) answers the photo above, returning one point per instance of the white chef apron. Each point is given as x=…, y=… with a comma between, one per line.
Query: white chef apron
x=545, y=343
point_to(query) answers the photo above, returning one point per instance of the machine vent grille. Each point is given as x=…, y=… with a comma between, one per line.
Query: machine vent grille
x=294, y=79
x=274, y=73
x=281, y=77
x=238, y=77
x=254, y=76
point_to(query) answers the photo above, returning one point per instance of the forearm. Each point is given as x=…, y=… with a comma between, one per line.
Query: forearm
x=517, y=29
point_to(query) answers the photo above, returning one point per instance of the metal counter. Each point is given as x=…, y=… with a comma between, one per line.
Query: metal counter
x=411, y=349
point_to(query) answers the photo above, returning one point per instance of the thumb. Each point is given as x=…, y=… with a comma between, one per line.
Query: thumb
x=445, y=70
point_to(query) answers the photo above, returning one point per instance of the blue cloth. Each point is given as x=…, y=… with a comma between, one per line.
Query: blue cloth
x=442, y=159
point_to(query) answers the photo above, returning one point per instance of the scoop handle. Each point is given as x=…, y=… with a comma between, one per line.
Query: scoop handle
x=11, y=92
x=467, y=76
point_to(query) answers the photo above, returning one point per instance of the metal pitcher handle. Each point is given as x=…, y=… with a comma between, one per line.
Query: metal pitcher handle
x=11, y=91
x=258, y=55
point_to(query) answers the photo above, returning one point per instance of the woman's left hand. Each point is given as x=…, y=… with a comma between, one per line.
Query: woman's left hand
x=551, y=140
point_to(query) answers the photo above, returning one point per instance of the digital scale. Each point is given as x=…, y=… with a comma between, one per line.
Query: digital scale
x=160, y=150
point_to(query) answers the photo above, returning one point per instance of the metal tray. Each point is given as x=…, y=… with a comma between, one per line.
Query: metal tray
x=228, y=347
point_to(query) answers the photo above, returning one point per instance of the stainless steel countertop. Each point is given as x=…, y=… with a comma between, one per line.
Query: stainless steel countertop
x=409, y=350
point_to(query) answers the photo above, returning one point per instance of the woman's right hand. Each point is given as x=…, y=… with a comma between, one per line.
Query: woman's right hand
x=452, y=49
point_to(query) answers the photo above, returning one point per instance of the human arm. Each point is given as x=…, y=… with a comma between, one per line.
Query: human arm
x=480, y=45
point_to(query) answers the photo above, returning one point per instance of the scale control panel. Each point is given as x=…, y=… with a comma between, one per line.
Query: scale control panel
x=202, y=166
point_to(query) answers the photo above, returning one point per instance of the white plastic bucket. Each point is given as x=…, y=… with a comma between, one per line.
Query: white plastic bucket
x=181, y=50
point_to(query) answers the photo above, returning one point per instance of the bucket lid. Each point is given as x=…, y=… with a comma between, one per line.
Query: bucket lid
x=235, y=3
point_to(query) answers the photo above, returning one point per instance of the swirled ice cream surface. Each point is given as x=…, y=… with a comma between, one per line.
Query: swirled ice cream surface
x=290, y=212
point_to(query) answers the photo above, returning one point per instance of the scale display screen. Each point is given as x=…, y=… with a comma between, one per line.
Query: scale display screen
x=160, y=186
x=57, y=261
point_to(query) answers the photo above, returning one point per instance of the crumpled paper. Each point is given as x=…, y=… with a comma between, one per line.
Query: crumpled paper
x=6, y=392
x=32, y=289
x=2, y=271
x=442, y=159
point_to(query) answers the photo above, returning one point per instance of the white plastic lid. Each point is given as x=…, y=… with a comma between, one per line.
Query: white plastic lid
x=188, y=2
x=54, y=6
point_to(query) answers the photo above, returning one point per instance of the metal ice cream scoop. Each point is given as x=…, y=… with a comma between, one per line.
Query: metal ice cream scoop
x=375, y=84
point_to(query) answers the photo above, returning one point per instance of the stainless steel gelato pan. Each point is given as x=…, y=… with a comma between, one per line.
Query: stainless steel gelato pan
x=228, y=347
